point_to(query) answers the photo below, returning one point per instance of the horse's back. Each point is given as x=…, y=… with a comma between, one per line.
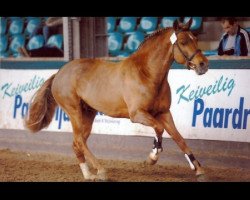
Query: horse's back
x=82, y=69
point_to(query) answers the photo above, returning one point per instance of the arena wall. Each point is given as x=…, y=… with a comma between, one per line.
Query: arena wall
x=215, y=106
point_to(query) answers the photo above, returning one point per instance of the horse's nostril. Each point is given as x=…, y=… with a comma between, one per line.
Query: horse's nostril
x=202, y=64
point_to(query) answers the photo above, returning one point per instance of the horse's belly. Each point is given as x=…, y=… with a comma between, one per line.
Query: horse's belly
x=121, y=113
x=111, y=106
x=112, y=110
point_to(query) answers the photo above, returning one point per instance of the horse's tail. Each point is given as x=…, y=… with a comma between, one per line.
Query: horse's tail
x=42, y=108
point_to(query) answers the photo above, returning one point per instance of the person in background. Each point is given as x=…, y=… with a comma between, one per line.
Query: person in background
x=41, y=52
x=53, y=25
x=235, y=41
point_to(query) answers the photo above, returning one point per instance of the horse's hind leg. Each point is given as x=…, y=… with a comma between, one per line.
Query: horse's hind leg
x=167, y=121
x=82, y=117
x=82, y=124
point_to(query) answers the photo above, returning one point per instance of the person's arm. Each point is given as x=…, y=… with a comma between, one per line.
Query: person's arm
x=54, y=21
x=220, y=49
x=243, y=47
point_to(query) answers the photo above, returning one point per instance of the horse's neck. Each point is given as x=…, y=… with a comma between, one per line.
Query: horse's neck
x=155, y=62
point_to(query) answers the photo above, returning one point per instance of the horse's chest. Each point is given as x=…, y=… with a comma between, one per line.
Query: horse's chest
x=160, y=105
x=162, y=101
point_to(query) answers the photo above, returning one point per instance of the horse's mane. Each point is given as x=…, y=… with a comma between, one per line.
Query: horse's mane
x=154, y=34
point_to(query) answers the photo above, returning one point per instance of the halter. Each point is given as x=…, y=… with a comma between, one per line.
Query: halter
x=188, y=59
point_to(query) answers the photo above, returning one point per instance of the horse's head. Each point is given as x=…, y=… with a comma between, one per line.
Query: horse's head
x=185, y=48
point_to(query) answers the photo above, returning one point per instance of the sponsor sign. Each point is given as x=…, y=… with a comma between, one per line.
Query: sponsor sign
x=214, y=106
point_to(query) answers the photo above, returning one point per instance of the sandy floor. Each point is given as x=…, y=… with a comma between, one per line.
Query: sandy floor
x=36, y=167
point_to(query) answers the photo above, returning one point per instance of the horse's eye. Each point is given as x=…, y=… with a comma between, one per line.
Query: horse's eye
x=183, y=42
x=195, y=39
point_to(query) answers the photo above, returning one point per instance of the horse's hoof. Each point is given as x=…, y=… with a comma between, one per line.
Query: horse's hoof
x=102, y=179
x=90, y=177
x=202, y=178
x=102, y=175
x=151, y=161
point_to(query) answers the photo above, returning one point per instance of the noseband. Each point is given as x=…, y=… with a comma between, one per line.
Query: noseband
x=188, y=59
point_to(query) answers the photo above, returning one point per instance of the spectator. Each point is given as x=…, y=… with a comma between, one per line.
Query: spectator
x=235, y=40
x=41, y=52
x=53, y=25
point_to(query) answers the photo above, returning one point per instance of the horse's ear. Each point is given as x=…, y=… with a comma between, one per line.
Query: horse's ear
x=189, y=23
x=176, y=25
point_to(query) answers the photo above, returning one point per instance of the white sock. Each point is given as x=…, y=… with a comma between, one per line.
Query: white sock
x=85, y=170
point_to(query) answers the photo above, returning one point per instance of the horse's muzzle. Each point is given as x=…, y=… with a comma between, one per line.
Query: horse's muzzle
x=201, y=69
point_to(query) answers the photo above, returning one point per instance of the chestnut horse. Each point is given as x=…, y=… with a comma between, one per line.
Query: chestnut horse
x=136, y=88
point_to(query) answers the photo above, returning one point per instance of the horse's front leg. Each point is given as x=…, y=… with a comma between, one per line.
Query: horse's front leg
x=143, y=117
x=157, y=148
x=167, y=120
